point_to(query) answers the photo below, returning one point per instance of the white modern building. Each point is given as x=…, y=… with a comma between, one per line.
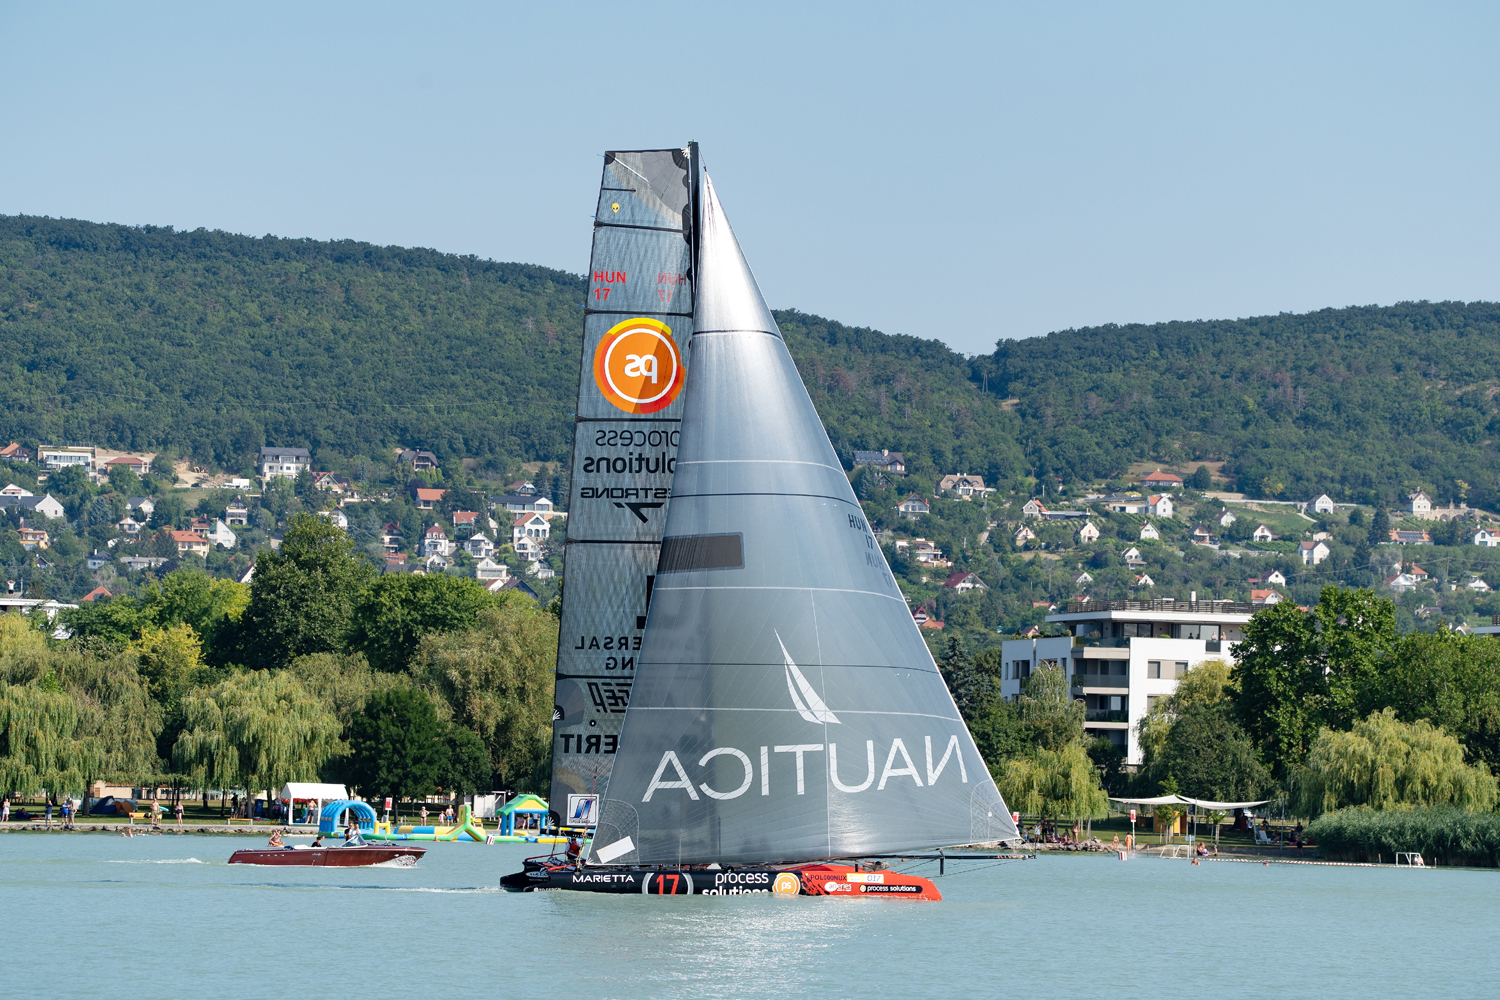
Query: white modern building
x=1121, y=656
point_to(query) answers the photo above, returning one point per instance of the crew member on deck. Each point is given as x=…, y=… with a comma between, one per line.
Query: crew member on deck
x=275, y=838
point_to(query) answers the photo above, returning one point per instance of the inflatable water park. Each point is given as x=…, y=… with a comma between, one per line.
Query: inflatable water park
x=522, y=820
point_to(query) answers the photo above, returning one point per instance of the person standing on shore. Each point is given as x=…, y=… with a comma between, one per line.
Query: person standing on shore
x=178, y=810
x=424, y=815
x=5, y=810
x=48, y=800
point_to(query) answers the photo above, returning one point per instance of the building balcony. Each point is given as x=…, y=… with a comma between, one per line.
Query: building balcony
x=1105, y=715
x=1097, y=683
x=1175, y=607
x=1099, y=642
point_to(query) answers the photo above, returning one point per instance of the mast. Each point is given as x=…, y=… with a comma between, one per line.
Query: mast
x=785, y=706
x=636, y=327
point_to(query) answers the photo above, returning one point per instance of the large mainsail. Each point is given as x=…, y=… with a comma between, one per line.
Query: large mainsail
x=637, y=321
x=785, y=707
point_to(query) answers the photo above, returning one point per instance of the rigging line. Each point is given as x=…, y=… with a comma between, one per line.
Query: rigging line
x=725, y=333
x=601, y=224
x=756, y=461
x=810, y=496
x=633, y=171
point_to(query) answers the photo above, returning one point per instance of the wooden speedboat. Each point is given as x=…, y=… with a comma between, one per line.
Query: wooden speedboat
x=401, y=855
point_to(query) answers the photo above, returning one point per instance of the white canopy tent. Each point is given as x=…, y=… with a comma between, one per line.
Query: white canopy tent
x=310, y=791
x=1173, y=800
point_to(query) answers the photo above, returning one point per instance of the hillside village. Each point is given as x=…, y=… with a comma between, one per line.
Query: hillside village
x=81, y=522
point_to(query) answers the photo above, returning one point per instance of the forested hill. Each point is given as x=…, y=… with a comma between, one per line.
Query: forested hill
x=211, y=345
x=1342, y=400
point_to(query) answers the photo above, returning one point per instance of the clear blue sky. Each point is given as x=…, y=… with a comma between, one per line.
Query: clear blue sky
x=960, y=172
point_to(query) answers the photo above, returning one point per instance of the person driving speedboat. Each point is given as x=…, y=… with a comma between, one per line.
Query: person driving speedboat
x=352, y=837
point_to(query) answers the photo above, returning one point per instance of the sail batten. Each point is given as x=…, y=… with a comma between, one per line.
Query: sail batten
x=777, y=636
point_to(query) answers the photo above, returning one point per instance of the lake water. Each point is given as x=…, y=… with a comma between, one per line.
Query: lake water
x=97, y=915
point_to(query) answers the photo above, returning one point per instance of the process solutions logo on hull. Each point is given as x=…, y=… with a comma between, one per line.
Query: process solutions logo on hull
x=638, y=366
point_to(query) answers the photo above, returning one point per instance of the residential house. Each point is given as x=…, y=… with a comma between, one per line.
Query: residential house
x=134, y=563
x=1083, y=579
x=435, y=542
x=419, y=460
x=1417, y=573
x=1313, y=552
x=1024, y=535
x=883, y=460
x=413, y=569
x=1149, y=532
x=1265, y=598
x=527, y=549
x=1161, y=480
x=532, y=525
x=478, y=545
x=1120, y=658
x=1478, y=586
x=1088, y=534
x=67, y=457
x=1129, y=504
x=519, y=503
x=47, y=506
x=1144, y=580
x=1159, y=505
x=97, y=594
x=488, y=569
x=1323, y=504
x=919, y=615
x=97, y=559
x=1419, y=502
x=914, y=507
x=237, y=512
x=339, y=519
x=519, y=585
x=1201, y=535
x=134, y=463
x=129, y=525
x=390, y=536
x=923, y=551
x=1275, y=577
x=221, y=536
x=428, y=499
x=466, y=519
x=965, y=581
x=12, y=490
x=522, y=486
x=1226, y=518
x=1402, y=582
x=190, y=541
x=1262, y=534
x=33, y=538
x=1487, y=538
x=332, y=482
x=540, y=570
x=1400, y=537
x=1033, y=508
x=199, y=524
x=16, y=453
x=286, y=463
x=963, y=484
x=437, y=562
x=145, y=505
x=1132, y=557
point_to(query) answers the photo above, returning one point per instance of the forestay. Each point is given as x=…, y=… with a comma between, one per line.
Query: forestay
x=637, y=321
x=785, y=706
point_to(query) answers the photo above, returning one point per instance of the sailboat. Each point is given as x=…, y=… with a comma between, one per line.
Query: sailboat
x=785, y=718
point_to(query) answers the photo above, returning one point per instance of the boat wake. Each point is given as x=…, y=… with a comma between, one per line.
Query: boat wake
x=158, y=861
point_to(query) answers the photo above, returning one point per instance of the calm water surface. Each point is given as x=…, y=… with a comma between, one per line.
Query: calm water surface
x=170, y=910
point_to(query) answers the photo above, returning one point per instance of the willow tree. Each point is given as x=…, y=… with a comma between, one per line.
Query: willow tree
x=1384, y=763
x=496, y=679
x=256, y=730
x=1062, y=784
x=41, y=745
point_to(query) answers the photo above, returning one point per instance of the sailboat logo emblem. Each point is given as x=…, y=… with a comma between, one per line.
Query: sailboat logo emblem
x=809, y=705
x=638, y=367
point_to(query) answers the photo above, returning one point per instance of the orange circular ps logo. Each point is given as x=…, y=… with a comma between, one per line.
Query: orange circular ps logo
x=638, y=366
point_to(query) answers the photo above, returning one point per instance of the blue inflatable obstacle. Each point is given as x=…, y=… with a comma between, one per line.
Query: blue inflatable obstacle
x=333, y=812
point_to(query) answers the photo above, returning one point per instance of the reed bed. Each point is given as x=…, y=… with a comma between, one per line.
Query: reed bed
x=1443, y=834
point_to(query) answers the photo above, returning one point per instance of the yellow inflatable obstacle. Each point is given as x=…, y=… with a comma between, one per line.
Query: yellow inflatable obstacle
x=468, y=827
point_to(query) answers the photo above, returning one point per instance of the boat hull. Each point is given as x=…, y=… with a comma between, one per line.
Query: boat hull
x=843, y=881
x=330, y=857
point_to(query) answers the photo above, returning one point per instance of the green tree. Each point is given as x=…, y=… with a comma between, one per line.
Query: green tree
x=1059, y=784
x=1201, y=479
x=1380, y=526
x=1281, y=691
x=496, y=679
x=1452, y=681
x=1049, y=716
x=303, y=597
x=258, y=730
x=466, y=761
x=1385, y=763
x=393, y=615
x=397, y=746
x=1211, y=757
x=41, y=743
